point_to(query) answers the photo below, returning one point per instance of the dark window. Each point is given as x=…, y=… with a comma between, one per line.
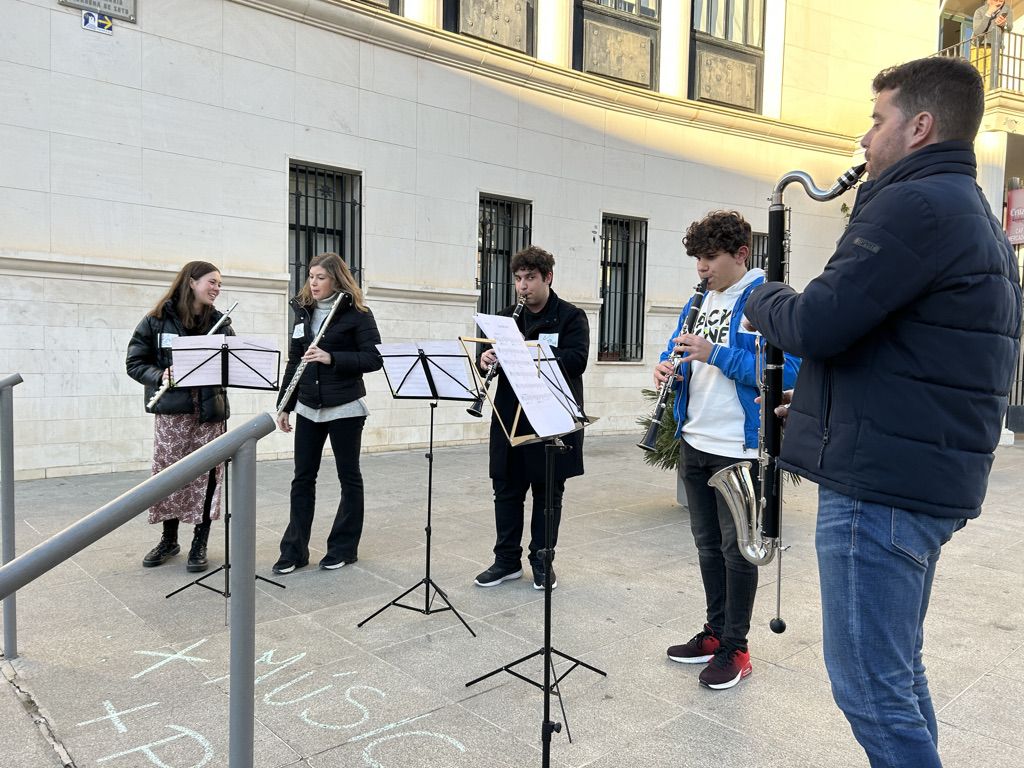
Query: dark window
x=623, y=275
x=727, y=52
x=647, y=9
x=758, y=251
x=324, y=215
x=504, y=231
x=508, y=23
x=395, y=6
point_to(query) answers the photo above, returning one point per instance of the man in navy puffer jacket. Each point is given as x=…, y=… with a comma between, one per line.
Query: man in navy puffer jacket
x=909, y=341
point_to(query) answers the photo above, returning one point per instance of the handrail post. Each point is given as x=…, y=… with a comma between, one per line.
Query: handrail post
x=242, y=583
x=7, y=506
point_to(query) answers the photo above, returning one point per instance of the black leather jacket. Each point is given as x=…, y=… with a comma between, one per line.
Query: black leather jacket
x=149, y=354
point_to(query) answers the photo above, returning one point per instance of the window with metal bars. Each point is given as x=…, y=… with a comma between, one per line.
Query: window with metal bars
x=504, y=230
x=324, y=215
x=758, y=251
x=623, y=276
x=395, y=6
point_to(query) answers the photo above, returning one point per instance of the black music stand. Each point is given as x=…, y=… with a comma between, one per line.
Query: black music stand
x=426, y=371
x=225, y=361
x=550, y=371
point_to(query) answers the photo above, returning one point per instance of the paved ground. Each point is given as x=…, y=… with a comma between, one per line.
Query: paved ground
x=115, y=675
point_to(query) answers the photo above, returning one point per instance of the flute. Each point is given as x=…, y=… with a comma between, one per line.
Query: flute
x=168, y=384
x=342, y=296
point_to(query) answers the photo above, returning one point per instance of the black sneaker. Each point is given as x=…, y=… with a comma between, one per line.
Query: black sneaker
x=699, y=649
x=282, y=566
x=727, y=668
x=158, y=555
x=331, y=563
x=496, y=574
x=538, y=576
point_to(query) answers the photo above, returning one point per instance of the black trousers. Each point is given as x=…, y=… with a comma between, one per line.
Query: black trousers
x=346, y=439
x=509, y=511
x=730, y=581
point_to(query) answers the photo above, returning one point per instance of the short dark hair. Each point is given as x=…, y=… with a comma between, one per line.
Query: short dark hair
x=718, y=231
x=532, y=257
x=950, y=89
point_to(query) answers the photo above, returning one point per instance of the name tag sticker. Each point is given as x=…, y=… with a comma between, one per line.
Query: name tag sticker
x=550, y=338
x=298, y=331
x=166, y=339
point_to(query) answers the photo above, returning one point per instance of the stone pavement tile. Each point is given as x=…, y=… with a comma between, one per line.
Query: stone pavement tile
x=633, y=555
x=184, y=721
x=985, y=708
x=23, y=743
x=801, y=610
x=629, y=518
x=451, y=737
x=961, y=748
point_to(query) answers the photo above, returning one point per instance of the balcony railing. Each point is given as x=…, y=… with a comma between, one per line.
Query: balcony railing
x=1001, y=66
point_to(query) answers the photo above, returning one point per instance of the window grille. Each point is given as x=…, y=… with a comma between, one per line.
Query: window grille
x=647, y=9
x=324, y=215
x=623, y=277
x=505, y=227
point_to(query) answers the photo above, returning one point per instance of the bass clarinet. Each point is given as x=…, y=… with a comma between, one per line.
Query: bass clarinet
x=168, y=384
x=283, y=402
x=476, y=408
x=758, y=520
x=648, y=443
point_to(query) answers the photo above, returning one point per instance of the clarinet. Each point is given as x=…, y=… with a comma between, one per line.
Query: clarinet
x=477, y=407
x=168, y=384
x=342, y=297
x=651, y=437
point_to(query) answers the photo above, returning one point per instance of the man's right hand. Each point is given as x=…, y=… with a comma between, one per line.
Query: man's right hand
x=661, y=372
x=487, y=359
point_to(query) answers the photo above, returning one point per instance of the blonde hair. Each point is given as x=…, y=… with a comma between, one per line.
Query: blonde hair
x=341, y=277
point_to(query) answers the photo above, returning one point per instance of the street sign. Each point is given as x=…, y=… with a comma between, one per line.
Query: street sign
x=97, y=22
x=116, y=9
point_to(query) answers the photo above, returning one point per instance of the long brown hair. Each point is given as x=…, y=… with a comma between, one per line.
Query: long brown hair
x=341, y=277
x=182, y=297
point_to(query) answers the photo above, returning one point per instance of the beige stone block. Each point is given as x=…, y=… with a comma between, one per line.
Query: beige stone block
x=254, y=193
x=171, y=236
x=492, y=142
x=254, y=246
x=91, y=168
x=540, y=153
x=95, y=227
x=178, y=69
x=443, y=87
x=336, y=150
x=205, y=25
x=44, y=456
x=183, y=183
x=107, y=58
x=389, y=213
x=258, y=89
x=183, y=126
x=326, y=54
x=442, y=131
x=257, y=35
x=24, y=35
x=388, y=165
x=326, y=104
x=494, y=100
x=76, y=338
x=95, y=110
x=21, y=336
x=24, y=158
x=24, y=220
x=260, y=142
x=387, y=118
x=25, y=94
x=389, y=73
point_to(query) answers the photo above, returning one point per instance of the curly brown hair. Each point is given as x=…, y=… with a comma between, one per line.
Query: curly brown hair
x=532, y=257
x=718, y=231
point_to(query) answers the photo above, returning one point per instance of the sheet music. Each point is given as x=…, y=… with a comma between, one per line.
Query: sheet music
x=546, y=414
x=403, y=370
x=251, y=363
x=196, y=360
x=449, y=369
x=551, y=372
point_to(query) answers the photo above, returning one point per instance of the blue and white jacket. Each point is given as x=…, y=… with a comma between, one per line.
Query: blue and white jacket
x=738, y=363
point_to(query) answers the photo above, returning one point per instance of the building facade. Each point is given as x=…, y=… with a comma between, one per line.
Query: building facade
x=425, y=141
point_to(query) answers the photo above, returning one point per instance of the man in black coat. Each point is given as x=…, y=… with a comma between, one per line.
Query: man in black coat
x=514, y=471
x=909, y=341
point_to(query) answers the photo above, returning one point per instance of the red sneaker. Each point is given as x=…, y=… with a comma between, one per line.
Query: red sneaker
x=726, y=669
x=698, y=650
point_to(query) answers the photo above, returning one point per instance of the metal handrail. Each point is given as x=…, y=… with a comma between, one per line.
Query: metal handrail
x=239, y=445
x=7, y=385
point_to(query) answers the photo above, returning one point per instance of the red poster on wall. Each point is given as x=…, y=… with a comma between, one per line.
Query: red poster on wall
x=1015, y=216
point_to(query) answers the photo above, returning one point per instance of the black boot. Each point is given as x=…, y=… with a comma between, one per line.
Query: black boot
x=168, y=546
x=197, y=555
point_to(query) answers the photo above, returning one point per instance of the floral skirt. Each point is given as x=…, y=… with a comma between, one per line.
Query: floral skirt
x=176, y=435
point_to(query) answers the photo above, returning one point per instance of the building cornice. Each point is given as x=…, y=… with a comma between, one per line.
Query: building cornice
x=364, y=22
x=1004, y=111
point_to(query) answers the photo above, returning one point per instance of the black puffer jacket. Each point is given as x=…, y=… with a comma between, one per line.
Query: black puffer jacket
x=149, y=355
x=351, y=340
x=570, y=324
x=909, y=340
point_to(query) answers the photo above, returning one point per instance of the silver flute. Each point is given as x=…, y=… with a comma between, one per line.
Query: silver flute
x=342, y=296
x=170, y=383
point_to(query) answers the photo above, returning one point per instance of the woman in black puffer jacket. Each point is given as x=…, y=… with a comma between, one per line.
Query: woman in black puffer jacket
x=328, y=402
x=187, y=418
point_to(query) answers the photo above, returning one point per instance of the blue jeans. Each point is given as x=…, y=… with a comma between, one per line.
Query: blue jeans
x=876, y=564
